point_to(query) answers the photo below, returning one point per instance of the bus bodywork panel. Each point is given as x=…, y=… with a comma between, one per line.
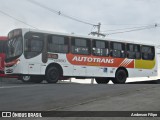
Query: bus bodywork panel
x=83, y=65
x=80, y=69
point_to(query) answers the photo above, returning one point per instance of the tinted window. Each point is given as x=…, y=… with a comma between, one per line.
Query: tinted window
x=33, y=44
x=58, y=44
x=117, y=50
x=100, y=48
x=1, y=46
x=14, y=48
x=80, y=42
x=133, y=51
x=58, y=40
x=148, y=52
x=80, y=46
x=14, y=45
x=117, y=46
x=100, y=44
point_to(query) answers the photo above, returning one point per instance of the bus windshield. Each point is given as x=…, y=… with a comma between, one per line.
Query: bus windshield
x=14, y=48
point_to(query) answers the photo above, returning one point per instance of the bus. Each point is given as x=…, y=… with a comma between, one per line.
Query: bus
x=3, y=41
x=52, y=56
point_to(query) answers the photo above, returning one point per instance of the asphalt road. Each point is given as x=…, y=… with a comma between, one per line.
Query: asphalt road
x=137, y=96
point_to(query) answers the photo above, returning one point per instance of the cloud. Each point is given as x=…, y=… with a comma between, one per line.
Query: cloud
x=113, y=14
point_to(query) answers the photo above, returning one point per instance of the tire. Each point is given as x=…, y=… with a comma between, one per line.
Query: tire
x=102, y=80
x=26, y=79
x=52, y=75
x=120, y=77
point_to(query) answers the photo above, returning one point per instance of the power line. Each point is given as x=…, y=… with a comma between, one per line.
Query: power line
x=151, y=27
x=128, y=28
x=130, y=31
x=59, y=12
x=67, y=16
x=124, y=24
x=4, y=13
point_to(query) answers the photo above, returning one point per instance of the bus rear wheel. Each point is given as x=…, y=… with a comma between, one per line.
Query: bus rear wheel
x=52, y=75
x=120, y=77
x=102, y=80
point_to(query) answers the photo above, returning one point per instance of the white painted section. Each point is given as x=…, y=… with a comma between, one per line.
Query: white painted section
x=79, y=70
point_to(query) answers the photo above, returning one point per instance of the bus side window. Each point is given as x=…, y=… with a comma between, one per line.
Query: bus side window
x=58, y=44
x=148, y=52
x=33, y=44
x=133, y=51
x=80, y=46
x=137, y=49
x=117, y=50
x=100, y=48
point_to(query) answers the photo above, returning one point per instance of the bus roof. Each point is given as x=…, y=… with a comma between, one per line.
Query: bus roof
x=85, y=36
x=3, y=38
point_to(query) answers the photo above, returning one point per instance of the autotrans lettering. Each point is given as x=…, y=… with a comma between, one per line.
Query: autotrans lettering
x=90, y=60
x=95, y=60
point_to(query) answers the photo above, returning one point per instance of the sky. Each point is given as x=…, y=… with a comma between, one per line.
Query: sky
x=112, y=14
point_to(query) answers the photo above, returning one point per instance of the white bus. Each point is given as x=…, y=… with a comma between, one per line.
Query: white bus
x=40, y=55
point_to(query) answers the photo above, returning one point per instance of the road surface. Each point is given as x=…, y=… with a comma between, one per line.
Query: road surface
x=16, y=96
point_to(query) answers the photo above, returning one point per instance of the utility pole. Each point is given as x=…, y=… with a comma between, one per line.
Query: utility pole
x=98, y=32
x=99, y=28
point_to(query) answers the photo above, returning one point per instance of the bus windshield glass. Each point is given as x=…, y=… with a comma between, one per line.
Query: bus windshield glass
x=14, y=47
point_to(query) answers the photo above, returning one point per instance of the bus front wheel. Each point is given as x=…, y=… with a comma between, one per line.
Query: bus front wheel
x=52, y=75
x=26, y=79
x=102, y=80
x=120, y=77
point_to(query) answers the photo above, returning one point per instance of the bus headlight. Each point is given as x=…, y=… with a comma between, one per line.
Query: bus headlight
x=17, y=62
x=13, y=63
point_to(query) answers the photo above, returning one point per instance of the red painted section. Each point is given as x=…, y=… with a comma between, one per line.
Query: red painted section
x=2, y=63
x=89, y=60
x=3, y=38
x=131, y=65
x=2, y=56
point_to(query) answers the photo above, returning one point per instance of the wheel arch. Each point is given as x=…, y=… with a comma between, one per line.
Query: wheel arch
x=55, y=65
x=123, y=68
